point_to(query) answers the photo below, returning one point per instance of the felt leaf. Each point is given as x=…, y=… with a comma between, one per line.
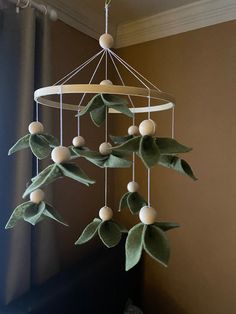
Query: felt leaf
x=50, y=212
x=134, y=246
x=123, y=201
x=156, y=244
x=18, y=214
x=72, y=171
x=120, y=139
x=109, y=233
x=94, y=103
x=52, y=140
x=165, y=226
x=122, y=228
x=123, y=109
x=89, y=232
x=149, y=151
x=86, y=153
x=113, y=100
x=130, y=146
x=48, y=175
x=39, y=146
x=22, y=143
x=177, y=164
x=171, y=146
x=135, y=202
x=116, y=162
x=98, y=162
x=98, y=115
x=33, y=214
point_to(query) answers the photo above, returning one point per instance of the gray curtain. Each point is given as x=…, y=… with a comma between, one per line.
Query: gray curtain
x=28, y=255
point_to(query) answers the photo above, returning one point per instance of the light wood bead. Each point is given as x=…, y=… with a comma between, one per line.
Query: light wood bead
x=37, y=196
x=36, y=127
x=132, y=186
x=106, y=213
x=106, y=82
x=105, y=148
x=147, y=215
x=147, y=127
x=78, y=141
x=60, y=154
x=106, y=41
x=133, y=130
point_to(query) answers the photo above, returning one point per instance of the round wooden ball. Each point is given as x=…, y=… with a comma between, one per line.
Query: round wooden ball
x=60, y=154
x=37, y=196
x=105, y=148
x=147, y=127
x=106, y=213
x=106, y=82
x=147, y=215
x=106, y=41
x=36, y=127
x=132, y=186
x=78, y=141
x=133, y=130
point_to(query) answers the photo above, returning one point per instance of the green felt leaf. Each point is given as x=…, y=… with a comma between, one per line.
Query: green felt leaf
x=113, y=100
x=39, y=146
x=177, y=164
x=134, y=246
x=86, y=153
x=89, y=232
x=171, y=146
x=135, y=202
x=116, y=162
x=165, y=226
x=120, y=139
x=48, y=175
x=52, y=140
x=123, y=201
x=149, y=151
x=94, y=103
x=109, y=233
x=18, y=214
x=156, y=244
x=72, y=171
x=122, y=228
x=22, y=143
x=123, y=109
x=98, y=115
x=34, y=214
x=130, y=146
x=50, y=212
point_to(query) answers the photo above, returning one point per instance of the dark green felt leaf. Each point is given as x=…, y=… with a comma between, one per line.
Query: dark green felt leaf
x=72, y=171
x=177, y=164
x=113, y=100
x=129, y=146
x=134, y=246
x=89, y=232
x=135, y=202
x=22, y=143
x=18, y=214
x=39, y=146
x=123, y=109
x=156, y=244
x=86, y=153
x=123, y=201
x=33, y=214
x=50, y=212
x=109, y=233
x=52, y=140
x=94, y=103
x=120, y=139
x=116, y=162
x=149, y=151
x=165, y=226
x=122, y=228
x=171, y=146
x=98, y=115
x=48, y=175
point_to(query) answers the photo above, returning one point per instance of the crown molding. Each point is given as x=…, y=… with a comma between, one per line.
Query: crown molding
x=182, y=19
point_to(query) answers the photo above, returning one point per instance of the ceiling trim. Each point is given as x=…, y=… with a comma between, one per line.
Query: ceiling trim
x=182, y=19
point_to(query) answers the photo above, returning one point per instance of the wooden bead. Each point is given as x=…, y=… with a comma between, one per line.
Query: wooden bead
x=106, y=213
x=132, y=186
x=105, y=148
x=147, y=127
x=106, y=41
x=106, y=82
x=37, y=196
x=147, y=215
x=60, y=154
x=36, y=127
x=78, y=141
x=133, y=130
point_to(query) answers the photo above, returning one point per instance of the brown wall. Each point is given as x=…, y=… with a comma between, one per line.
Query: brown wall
x=199, y=68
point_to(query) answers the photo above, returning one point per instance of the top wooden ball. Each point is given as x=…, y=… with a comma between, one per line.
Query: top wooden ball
x=36, y=127
x=106, y=41
x=147, y=127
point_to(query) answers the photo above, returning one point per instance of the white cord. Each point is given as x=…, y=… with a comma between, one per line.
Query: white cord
x=61, y=116
x=149, y=188
x=173, y=122
x=106, y=18
x=78, y=123
x=37, y=119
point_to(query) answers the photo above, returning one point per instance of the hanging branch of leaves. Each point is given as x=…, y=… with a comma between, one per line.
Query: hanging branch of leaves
x=132, y=200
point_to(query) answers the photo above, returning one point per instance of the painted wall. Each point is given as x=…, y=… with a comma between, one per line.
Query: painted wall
x=199, y=68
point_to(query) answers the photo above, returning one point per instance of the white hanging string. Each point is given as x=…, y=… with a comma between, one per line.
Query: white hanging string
x=106, y=118
x=173, y=122
x=149, y=170
x=37, y=119
x=106, y=17
x=78, y=123
x=61, y=116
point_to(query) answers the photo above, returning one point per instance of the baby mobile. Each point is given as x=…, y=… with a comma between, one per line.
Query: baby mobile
x=142, y=141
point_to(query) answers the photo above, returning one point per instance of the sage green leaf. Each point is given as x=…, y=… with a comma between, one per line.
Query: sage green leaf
x=113, y=100
x=149, y=151
x=81, y=152
x=50, y=212
x=135, y=202
x=123, y=109
x=18, y=214
x=39, y=146
x=120, y=139
x=74, y=172
x=48, y=175
x=98, y=115
x=97, y=162
x=109, y=233
x=177, y=164
x=129, y=146
x=171, y=146
x=89, y=232
x=134, y=246
x=122, y=228
x=165, y=226
x=116, y=162
x=156, y=244
x=123, y=201
x=52, y=140
x=22, y=143
x=94, y=103
x=34, y=214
